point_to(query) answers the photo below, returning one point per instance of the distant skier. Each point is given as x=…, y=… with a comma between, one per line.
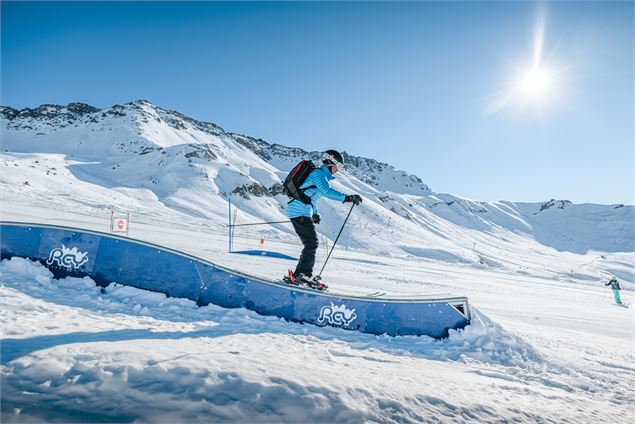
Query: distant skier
x=303, y=210
x=615, y=285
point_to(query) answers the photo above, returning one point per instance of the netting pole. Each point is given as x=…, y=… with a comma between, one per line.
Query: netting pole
x=229, y=226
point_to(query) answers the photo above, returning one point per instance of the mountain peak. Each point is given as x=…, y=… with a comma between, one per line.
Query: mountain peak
x=164, y=127
x=141, y=102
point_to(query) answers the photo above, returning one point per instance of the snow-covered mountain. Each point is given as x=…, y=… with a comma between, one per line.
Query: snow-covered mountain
x=160, y=163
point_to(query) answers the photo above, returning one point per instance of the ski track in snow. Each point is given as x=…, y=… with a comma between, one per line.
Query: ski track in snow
x=74, y=352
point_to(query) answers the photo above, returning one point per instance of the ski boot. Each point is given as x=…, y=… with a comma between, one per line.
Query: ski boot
x=291, y=279
x=301, y=279
x=316, y=283
x=310, y=282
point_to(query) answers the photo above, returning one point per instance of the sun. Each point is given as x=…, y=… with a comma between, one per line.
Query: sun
x=532, y=86
x=535, y=83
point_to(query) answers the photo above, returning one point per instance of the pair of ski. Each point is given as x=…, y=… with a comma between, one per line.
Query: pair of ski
x=314, y=283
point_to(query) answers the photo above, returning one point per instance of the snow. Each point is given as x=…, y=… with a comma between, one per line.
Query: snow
x=72, y=351
x=546, y=344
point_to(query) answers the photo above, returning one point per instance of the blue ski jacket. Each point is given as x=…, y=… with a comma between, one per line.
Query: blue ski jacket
x=319, y=178
x=614, y=284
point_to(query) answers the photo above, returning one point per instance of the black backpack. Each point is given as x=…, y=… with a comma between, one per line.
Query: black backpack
x=295, y=179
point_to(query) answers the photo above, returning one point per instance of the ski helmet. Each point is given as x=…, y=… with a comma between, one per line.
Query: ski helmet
x=333, y=157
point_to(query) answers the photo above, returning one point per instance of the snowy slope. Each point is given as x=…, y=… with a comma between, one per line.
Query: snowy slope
x=72, y=352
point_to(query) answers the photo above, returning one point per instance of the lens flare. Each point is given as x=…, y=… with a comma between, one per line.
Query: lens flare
x=535, y=83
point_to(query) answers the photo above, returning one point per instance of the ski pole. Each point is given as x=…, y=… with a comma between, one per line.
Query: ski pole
x=336, y=239
x=260, y=223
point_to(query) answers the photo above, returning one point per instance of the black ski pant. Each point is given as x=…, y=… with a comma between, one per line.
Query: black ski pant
x=305, y=229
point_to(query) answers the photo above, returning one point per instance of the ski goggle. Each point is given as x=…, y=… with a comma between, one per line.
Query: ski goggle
x=328, y=157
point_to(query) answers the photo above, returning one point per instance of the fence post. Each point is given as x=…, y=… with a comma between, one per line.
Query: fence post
x=229, y=226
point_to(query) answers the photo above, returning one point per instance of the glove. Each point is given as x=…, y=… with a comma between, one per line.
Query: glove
x=356, y=199
x=316, y=218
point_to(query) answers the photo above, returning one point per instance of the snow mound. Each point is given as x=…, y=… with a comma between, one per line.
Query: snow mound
x=486, y=341
x=154, y=392
x=26, y=270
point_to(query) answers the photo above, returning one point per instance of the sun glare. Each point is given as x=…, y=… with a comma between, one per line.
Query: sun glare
x=535, y=83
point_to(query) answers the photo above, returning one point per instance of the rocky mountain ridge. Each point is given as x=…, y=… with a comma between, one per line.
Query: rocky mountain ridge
x=49, y=117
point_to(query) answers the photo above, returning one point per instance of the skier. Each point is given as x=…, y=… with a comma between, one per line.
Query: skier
x=615, y=285
x=304, y=217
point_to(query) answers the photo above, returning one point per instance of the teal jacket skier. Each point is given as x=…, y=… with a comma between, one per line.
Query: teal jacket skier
x=615, y=285
x=305, y=216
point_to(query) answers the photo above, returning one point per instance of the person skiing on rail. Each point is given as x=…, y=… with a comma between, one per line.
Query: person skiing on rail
x=304, y=216
x=615, y=285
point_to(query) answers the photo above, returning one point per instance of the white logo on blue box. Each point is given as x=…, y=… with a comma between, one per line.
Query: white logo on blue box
x=337, y=315
x=67, y=258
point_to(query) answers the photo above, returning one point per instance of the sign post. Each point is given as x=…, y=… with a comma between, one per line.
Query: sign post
x=119, y=222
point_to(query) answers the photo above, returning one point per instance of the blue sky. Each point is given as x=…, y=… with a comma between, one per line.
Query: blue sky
x=430, y=87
